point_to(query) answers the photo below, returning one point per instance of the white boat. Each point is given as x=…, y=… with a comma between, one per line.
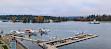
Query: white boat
x=43, y=30
x=16, y=32
x=94, y=22
x=30, y=30
x=78, y=33
x=37, y=31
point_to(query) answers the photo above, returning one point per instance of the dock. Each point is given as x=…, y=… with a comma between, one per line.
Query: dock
x=65, y=41
x=28, y=39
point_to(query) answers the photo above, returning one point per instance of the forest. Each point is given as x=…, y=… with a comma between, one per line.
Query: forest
x=32, y=18
x=45, y=19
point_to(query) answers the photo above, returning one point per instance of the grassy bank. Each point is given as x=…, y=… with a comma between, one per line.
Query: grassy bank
x=5, y=47
x=1, y=42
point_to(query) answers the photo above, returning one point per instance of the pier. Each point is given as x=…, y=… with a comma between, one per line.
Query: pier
x=28, y=39
x=56, y=43
x=66, y=41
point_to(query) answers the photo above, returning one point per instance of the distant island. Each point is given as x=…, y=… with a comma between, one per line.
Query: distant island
x=48, y=19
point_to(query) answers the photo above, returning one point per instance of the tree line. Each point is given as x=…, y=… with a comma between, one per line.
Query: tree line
x=32, y=18
x=94, y=17
x=42, y=19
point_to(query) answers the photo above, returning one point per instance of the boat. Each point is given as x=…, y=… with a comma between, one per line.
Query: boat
x=30, y=30
x=94, y=22
x=16, y=32
x=43, y=30
x=37, y=31
x=78, y=33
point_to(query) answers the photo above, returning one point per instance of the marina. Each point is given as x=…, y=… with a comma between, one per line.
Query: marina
x=47, y=44
x=55, y=24
x=50, y=44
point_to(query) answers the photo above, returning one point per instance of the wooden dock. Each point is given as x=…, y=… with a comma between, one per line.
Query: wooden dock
x=28, y=39
x=62, y=42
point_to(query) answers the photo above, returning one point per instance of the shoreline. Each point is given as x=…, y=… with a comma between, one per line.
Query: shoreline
x=56, y=22
x=82, y=21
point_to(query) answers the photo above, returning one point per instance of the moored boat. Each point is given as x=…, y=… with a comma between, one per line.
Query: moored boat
x=94, y=22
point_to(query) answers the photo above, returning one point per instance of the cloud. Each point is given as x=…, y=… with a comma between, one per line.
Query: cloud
x=55, y=7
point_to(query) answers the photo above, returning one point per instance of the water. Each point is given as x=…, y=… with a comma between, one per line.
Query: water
x=63, y=30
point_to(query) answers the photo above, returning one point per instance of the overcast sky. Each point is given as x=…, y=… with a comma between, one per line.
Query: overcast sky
x=55, y=7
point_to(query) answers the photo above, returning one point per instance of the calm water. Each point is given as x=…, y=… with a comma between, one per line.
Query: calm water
x=63, y=30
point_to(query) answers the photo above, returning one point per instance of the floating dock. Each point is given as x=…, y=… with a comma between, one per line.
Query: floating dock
x=65, y=41
x=28, y=39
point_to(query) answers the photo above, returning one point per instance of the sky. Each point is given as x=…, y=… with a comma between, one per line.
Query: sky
x=55, y=7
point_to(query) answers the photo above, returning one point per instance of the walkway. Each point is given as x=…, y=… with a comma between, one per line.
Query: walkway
x=7, y=41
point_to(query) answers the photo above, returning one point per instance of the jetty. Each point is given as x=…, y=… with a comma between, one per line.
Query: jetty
x=28, y=39
x=65, y=41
